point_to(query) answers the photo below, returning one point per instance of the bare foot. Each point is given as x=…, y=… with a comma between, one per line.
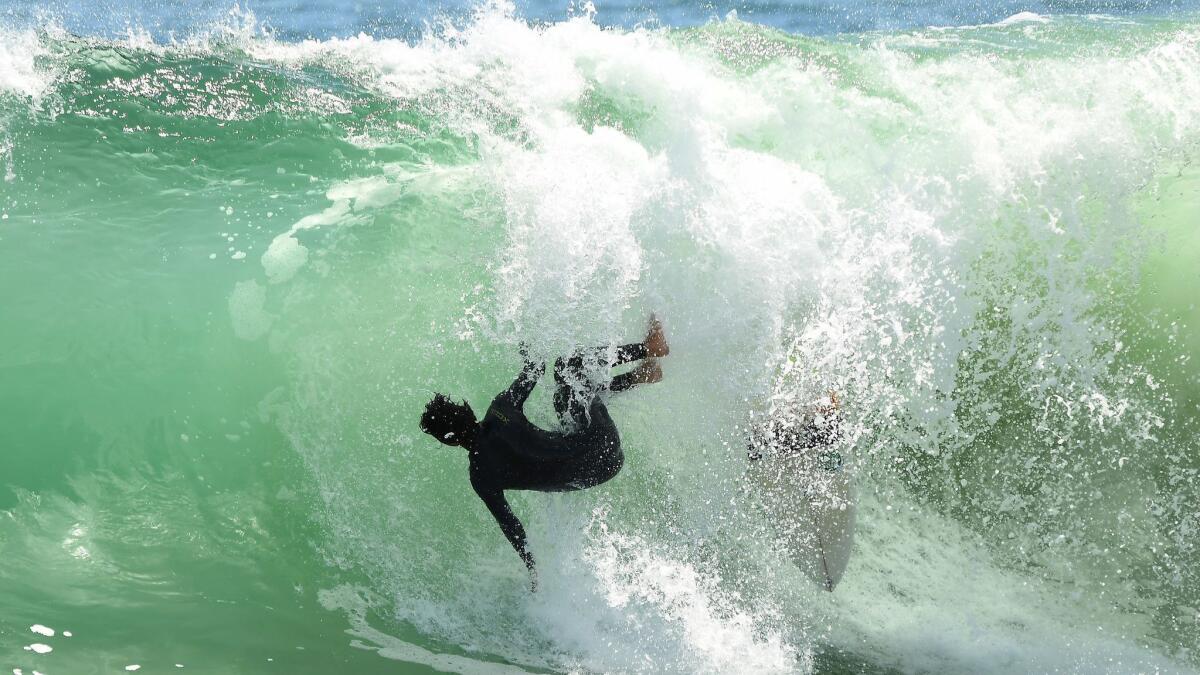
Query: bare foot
x=647, y=372
x=656, y=341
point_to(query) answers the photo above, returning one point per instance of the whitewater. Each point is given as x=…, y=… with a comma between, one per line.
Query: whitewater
x=238, y=256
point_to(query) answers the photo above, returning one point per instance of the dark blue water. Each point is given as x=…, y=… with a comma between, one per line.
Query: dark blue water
x=297, y=19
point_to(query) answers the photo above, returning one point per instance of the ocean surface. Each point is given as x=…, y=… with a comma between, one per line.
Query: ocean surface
x=240, y=245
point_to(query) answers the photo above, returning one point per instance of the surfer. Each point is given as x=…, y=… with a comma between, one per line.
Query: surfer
x=508, y=452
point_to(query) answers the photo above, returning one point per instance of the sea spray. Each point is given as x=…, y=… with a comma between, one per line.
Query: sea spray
x=959, y=230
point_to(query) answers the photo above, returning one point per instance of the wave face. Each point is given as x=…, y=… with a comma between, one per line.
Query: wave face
x=235, y=265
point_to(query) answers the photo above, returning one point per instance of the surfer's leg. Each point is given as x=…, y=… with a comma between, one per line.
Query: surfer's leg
x=572, y=392
x=655, y=345
x=575, y=391
x=656, y=339
x=628, y=354
x=648, y=372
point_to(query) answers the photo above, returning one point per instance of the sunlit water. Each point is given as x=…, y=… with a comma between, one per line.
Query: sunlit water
x=239, y=248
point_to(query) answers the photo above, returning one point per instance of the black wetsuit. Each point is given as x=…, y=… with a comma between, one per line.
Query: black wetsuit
x=511, y=453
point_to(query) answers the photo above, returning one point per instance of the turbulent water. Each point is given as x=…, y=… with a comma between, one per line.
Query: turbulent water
x=235, y=264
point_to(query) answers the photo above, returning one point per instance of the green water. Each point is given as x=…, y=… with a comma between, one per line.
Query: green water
x=235, y=269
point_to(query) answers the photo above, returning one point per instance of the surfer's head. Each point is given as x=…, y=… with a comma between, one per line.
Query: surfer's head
x=449, y=422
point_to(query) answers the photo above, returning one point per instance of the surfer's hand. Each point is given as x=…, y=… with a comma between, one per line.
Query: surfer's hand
x=533, y=580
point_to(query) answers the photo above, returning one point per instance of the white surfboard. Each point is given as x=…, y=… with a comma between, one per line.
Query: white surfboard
x=808, y=498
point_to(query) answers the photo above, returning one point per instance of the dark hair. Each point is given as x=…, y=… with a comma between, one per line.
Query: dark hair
x=447, y=421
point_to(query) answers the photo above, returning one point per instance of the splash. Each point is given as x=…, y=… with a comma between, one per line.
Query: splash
x=959, y=230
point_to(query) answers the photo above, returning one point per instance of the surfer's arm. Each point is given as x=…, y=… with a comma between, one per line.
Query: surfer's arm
x=509, y=525
x=521, y=387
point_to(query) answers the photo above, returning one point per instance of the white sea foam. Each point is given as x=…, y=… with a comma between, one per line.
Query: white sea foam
x=969, y=613
x=247, y=309
x=1023, y=17
x=906, y=230
x=286, y=255
x=350, y=600
x=22, y=67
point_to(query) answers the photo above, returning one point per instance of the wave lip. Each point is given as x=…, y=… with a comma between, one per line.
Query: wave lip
x=1023, y=17
x=21, y=71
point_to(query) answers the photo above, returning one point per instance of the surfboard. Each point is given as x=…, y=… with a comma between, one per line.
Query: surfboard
x=809, y=500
